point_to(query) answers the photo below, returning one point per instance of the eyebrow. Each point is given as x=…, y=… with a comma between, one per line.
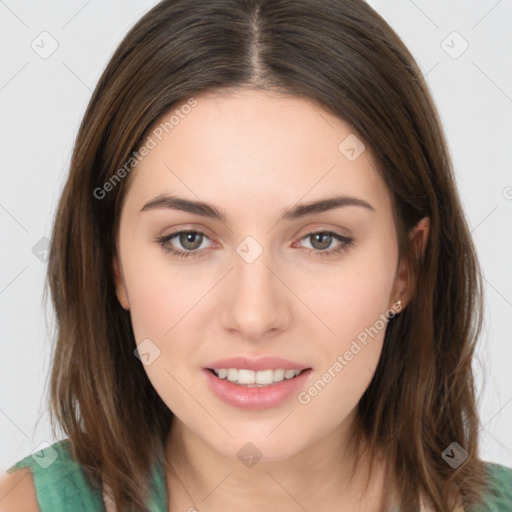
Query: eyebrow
x=296, y=212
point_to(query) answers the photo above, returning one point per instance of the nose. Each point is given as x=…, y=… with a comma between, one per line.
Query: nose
x=255, y=302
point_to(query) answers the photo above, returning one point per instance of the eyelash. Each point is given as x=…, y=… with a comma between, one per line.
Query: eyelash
x=345, y=243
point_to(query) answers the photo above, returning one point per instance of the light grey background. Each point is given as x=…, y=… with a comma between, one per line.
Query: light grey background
x=42, y=101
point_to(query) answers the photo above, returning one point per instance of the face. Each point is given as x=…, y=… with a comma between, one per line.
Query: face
x=255, y=274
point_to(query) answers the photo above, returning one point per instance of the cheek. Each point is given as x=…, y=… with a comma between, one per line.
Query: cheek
x=350, y=356
x=354, y=295
x=166, y=306
x=151, y=307
x=160, y=292
x=354, y=303
x=163, y=301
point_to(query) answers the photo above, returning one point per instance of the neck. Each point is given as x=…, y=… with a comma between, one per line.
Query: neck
x=327, y=475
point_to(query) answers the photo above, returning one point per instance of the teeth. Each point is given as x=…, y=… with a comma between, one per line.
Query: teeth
x=222, y=373
x=253, y=378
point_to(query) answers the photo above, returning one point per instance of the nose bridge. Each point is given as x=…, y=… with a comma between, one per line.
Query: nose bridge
x=256, y=301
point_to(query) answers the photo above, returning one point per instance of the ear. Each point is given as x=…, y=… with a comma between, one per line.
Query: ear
x=122, y=296
x=405, y=283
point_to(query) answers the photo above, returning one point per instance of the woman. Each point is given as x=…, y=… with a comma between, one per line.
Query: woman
x=264, y=282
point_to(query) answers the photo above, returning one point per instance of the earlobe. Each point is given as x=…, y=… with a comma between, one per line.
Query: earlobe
x=122, y=296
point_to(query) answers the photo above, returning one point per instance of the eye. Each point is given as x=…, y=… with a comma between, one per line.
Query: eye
x=190, y=240
x=322, y=240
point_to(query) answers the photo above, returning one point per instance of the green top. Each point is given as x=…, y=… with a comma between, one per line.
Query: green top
x=61, y=485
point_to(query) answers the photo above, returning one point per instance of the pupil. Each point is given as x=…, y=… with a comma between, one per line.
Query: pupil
x=187, y=240
x=322, y=245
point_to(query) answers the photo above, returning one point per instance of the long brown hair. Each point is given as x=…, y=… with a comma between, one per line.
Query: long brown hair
x=341, y=55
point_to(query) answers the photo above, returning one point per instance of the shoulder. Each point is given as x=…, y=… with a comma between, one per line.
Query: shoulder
x=49, y=480
x=499, y=493
x=17, y=492
x=500, y=473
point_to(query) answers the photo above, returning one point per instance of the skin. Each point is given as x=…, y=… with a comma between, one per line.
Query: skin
x=253, y=154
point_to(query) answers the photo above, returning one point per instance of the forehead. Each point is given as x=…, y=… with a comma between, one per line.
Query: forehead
x=250, y=144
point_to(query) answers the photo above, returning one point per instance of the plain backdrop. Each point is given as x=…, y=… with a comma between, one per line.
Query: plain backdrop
x=464, y=49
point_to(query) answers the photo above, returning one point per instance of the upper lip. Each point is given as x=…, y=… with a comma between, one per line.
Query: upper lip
x=263, y=363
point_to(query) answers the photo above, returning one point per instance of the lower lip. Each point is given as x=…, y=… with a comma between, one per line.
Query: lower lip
x=256, y=398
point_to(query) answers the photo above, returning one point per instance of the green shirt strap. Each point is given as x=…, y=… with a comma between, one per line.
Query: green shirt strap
x=59, y=481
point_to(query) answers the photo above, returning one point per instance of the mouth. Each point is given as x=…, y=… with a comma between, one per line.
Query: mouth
x=256, y=389
x=256, y=379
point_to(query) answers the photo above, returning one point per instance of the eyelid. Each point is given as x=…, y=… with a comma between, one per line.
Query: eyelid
x=168, y=237
x=188, y=229
x=344, y=241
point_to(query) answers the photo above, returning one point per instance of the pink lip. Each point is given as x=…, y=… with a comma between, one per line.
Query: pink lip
x=263, y=363
x=256, y=398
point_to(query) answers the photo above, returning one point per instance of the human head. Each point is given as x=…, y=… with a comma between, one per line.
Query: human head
x=344, y=59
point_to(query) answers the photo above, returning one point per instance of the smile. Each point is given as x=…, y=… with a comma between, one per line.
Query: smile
x=251, y=378
x=265, y=394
